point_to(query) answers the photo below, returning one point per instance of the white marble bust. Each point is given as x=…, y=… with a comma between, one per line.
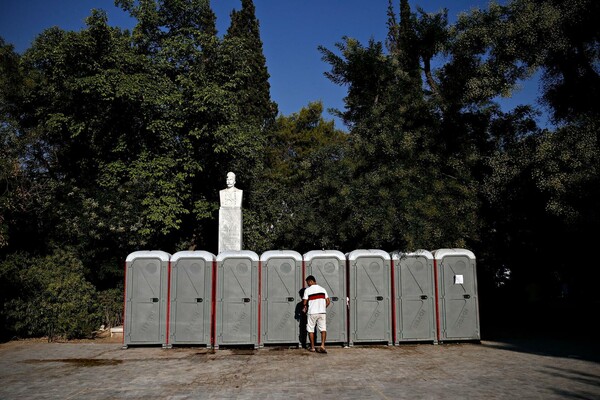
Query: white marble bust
x=232, y=196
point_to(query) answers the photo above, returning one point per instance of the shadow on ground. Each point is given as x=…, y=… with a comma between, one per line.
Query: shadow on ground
x=555, y=347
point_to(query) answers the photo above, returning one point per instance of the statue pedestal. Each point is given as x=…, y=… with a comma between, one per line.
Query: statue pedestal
x=230, y=228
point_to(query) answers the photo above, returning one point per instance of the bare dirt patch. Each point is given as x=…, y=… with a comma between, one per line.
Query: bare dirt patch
x=79, y=362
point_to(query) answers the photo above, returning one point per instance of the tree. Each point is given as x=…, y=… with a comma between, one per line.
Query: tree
x=397, y=194
x=54, y=298
x=539, y=193
x=498, y=46
x=302, y=148
x=102, y=145
x=118, y=141
x=245, y=65
x=13, y=192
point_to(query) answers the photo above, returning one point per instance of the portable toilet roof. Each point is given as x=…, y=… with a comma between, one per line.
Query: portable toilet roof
x=193, y=254
x=281, y=253
x=324, y=253
x=353, y=255
x=441, y=253
x=237, y=254
x=397, y=255
x=162, y=255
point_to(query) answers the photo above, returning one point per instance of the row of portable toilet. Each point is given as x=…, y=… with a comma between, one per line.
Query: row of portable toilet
x=239, y=298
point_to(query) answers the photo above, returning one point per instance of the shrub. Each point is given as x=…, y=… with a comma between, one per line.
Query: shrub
x=54, y=298
x=111, y=306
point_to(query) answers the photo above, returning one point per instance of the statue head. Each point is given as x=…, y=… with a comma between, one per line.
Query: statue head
x=230, y=180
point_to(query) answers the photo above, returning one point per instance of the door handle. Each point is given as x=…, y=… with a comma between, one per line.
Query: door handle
x=467, y=296
x=290, y=299
x=199, y=300
x=379, y=298
x=246, y=299
x=424, y=297
x=334, y=299
x=155, y=299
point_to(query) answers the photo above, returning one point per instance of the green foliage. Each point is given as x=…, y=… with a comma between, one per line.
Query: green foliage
x=113, y=141
x=295, y=139
x=53, y=300
x=365, y=72
x=245, y=65
x=13, y=191
x=282, y=213
x=492, y=49
x=110, y=305
x=396, y=193
x=569, y=172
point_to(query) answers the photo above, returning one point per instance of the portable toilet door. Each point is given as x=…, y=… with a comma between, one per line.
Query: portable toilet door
x=146, y=298
x=369, y=276
x=281, y=278
x=329, y=269
x=237, y=298
x=191, y=298
x=414, y=296
x=456, y=282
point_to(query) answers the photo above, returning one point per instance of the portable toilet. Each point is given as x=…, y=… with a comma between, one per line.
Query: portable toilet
x=237, y=299
x=281, y=280
x=369, y=275
x=146, y=298
x=456, y=283
x=329, y=269
x=414, y=288
x=191, y=302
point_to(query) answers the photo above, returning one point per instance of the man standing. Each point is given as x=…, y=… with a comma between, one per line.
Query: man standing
x=316, y=301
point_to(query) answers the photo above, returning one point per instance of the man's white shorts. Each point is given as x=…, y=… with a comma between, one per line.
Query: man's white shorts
x=316, y=319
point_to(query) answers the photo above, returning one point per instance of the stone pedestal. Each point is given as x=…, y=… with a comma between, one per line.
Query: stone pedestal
x=230, y=228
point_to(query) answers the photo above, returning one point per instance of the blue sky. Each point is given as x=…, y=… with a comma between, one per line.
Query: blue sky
x=291, y=31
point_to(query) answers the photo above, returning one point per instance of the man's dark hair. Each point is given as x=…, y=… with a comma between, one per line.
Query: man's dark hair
x=311, y=278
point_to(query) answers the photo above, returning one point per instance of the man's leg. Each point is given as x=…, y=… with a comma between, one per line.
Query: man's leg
x=310, y=327
x=322, y=324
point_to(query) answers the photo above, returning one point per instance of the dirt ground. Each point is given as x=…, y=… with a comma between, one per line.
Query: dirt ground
x=524, y=368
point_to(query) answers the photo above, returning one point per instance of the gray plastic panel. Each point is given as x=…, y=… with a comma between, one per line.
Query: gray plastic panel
x=370, y=298
x=330, y=272
x=191, y=300
x=146, y=298
x=281, y=282
x=237, y=300
x=458, y=300
x=415, y=297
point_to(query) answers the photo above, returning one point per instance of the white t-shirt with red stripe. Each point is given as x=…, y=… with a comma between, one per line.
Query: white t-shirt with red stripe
x=316, y=296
